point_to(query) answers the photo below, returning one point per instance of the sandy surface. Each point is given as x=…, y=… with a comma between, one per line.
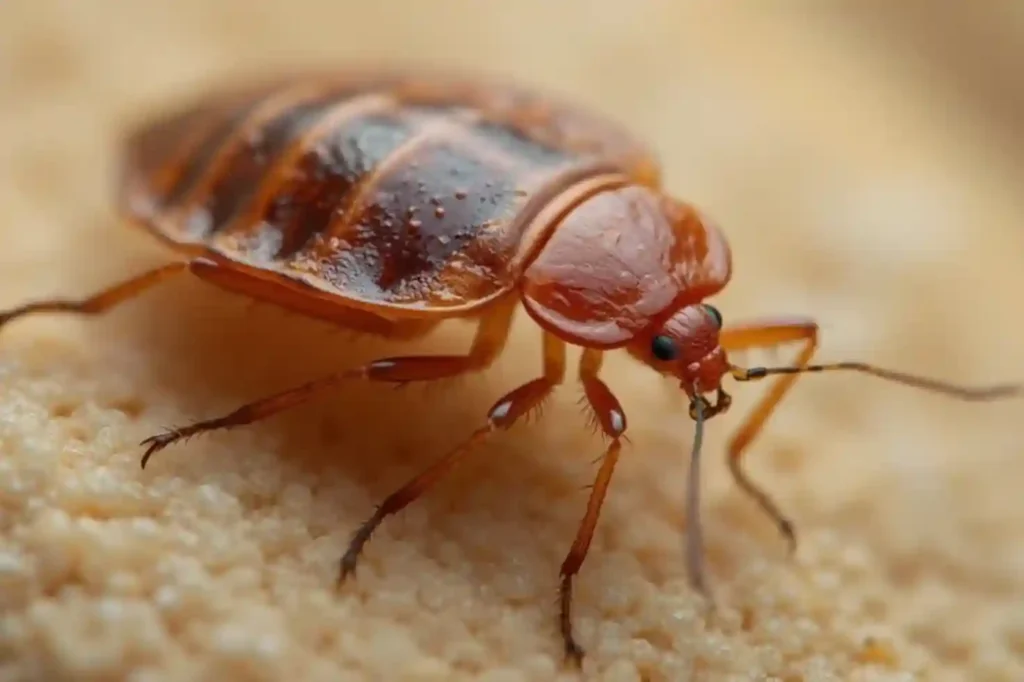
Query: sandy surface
x=862, y=179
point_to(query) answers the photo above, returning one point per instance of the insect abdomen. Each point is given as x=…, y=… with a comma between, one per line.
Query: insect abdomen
x=364, y=190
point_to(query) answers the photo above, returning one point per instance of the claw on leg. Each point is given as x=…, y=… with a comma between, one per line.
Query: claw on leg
x=155, y=444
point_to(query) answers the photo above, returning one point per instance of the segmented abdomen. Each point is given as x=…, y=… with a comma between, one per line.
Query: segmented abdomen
x=391, y=190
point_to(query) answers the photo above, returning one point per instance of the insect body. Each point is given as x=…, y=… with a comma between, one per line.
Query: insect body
x=388, y=202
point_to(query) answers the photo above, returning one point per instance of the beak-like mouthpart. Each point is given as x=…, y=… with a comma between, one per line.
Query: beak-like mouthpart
x=694, y=537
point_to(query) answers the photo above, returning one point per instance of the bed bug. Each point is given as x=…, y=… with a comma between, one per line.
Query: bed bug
x=388, y=202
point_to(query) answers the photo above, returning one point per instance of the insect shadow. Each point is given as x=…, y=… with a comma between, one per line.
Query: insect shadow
x=208, y=350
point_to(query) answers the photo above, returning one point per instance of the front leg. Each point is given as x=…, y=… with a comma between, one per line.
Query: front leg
x=612, y=421
x=775, y=332
x=767, y=334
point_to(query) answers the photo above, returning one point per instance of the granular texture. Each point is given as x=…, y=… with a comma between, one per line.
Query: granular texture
x=861, y=179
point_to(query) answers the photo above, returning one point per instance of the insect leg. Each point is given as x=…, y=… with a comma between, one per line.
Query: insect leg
x=101, y=301
x=765, y=334
x=612, y=420
x=490, y=338
x=502, y=415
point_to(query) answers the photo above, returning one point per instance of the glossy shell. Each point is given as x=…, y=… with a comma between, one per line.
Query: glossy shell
x=388, y=192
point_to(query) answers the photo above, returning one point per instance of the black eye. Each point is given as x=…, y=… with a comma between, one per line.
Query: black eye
x=663, y=348
x=715, y=315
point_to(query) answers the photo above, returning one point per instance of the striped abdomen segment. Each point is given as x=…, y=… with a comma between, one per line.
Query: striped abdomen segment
x=356, y=190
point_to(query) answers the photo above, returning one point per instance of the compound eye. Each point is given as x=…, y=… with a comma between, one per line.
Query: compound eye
x=664, y=348
x=715, y=315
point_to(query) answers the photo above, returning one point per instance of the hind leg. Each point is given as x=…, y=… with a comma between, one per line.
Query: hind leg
x=488, y=342
x=101, y=301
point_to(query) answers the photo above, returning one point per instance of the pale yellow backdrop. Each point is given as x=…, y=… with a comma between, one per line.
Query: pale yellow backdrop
x=866, y=165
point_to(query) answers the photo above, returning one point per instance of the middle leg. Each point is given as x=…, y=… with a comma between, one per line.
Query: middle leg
x=502, y=415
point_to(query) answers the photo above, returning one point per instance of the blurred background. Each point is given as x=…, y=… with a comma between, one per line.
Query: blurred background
x=865, y=161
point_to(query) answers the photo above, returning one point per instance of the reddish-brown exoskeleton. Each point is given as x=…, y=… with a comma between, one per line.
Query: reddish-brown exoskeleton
x=390, y=202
